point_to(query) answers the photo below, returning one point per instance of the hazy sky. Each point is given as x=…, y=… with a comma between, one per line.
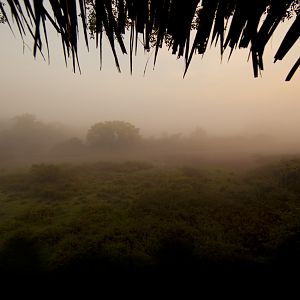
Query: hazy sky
x=221, y=98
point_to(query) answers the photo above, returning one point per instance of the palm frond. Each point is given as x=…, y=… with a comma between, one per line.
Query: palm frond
x=170, y=22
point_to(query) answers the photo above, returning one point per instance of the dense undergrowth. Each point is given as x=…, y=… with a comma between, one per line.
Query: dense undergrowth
x=119, y=219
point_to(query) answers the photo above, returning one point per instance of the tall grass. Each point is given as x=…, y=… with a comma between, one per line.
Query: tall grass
x=132, y=217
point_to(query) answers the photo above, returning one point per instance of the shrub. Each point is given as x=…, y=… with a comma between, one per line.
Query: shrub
x=43, y=173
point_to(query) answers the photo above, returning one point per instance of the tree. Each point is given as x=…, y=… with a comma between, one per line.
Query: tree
x=71, y=146
x=27, y=135
x=113, y=135
x=198, y=134
x=25, y=122
x=2, y=17
x=2, y=20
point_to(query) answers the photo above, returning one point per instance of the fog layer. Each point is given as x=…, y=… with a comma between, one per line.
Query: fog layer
x=25, y=139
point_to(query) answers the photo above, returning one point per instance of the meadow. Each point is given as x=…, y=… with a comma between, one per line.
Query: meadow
x=120, y=219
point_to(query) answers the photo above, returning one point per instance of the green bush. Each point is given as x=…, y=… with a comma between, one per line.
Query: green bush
x=47, y=173
x=52, y=182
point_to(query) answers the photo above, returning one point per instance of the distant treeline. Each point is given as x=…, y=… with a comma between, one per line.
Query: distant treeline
x=24, y=137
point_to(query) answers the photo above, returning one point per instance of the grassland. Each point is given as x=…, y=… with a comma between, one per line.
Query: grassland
x=119, y=219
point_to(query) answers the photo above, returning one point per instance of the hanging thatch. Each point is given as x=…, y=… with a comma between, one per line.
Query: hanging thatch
x=230, y=23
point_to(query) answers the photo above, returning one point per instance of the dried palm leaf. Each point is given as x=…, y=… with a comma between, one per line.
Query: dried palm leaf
x=251, y=23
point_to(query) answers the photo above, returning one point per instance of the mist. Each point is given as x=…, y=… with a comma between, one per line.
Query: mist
x=27, y=139
x=220, y=98
x=108, y=176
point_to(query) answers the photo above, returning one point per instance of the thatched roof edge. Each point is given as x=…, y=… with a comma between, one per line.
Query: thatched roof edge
x=252, y=24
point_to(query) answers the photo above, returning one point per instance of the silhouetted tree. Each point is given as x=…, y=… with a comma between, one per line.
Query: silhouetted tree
x=25, y=134
x=73, y=146
x=25, y=121
x=2, y=18
x=198, y=134
x=113, y=134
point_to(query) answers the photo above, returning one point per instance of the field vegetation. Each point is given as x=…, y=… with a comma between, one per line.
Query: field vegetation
x=112, y=218
x=117, y=205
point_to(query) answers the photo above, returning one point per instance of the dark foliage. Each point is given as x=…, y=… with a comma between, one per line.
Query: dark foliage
x=129, y=226
x=252, y=25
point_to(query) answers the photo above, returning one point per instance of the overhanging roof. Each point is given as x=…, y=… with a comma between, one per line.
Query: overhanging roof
x=229, y=23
